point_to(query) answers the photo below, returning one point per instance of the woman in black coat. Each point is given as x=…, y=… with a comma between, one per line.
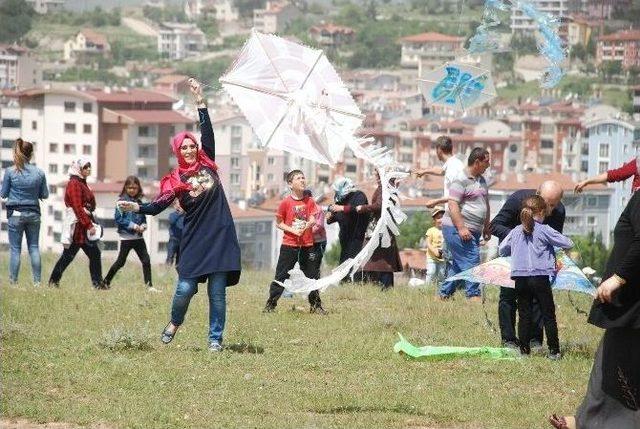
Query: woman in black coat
x=613, y=393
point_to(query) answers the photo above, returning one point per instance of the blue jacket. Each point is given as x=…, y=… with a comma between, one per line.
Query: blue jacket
x=533, y=254
x=24, y=188
x=127, y=220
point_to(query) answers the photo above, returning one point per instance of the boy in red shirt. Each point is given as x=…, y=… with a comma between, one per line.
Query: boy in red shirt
x=295, y=216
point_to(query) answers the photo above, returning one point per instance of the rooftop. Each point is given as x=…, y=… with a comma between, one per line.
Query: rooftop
x=145, y=117
x=431, y=37
x=94, y=37
x=625, y=35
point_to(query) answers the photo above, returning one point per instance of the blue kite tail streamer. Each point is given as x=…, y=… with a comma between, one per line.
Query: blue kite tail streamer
x=486, y=39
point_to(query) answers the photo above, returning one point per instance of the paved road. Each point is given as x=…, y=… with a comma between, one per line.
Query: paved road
x=140, y=27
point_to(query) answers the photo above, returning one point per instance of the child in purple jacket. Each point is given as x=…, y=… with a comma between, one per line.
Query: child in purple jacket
x=533, y=260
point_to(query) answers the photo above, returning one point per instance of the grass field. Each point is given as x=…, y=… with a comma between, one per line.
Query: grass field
x=93, y=358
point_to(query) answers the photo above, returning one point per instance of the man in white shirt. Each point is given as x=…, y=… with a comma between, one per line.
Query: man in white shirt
x=452, y=168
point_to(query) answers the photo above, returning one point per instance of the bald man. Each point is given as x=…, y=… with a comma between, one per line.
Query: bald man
x=508, y=218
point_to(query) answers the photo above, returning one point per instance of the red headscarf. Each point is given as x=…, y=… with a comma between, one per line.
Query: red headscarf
x=171, y=183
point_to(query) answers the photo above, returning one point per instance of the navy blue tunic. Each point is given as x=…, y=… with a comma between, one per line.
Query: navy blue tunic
x=209, y=243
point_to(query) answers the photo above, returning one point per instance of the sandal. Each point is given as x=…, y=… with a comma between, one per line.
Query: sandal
x=167, y=336
x=558, y=422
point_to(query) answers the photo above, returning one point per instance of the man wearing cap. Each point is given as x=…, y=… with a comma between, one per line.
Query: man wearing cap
x=435, y=241
x=508, y=218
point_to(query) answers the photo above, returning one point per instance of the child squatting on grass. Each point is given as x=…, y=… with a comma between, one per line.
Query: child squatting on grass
x=296, y=216
x=533, y=260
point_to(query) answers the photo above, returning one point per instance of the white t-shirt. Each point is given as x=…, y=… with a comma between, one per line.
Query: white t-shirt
x=453, y=169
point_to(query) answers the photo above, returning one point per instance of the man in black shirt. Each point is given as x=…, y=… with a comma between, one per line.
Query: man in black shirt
x=508, y=218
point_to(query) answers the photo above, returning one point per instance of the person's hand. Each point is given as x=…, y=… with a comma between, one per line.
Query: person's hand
x=328, y=216
x=297, y=232
x=336, y=208
x=419, y=172
x=92, y=230
x=431, y=203
x=580, y=186
x=486, y=233
x=143, y=227
x=607, y=288
x=195, y=87
x=128, y=206
x=465, y=234
x=358, y=209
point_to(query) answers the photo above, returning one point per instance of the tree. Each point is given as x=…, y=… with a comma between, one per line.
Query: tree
x=413, y=229
x=591, y=252
x=16, y=18
x=609, y=69
x=524, y=45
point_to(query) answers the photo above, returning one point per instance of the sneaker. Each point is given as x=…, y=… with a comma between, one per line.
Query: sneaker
x=287, y=294
x=554, y=356
x=215, y=346
x=36, y=284
x=269, y=308
x=101, y=285
x=317, y=309
x=152, y=289
x=535, y=345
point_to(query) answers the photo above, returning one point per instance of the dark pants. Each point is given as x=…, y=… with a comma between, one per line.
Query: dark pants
x=173, y=251
x=384, y=278
x=507, y=317
x=95, y=264
x=539, y=287
x=319, y=249
x=307, y=258
x=140, y=248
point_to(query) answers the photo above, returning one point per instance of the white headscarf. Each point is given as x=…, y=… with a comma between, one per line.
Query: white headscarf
x=77, y=164
x=343, y=186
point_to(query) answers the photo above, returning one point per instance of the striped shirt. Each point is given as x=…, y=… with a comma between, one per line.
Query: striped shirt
x=470, y=193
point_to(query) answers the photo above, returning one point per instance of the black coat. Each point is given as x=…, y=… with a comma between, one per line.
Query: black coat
x=353, y=225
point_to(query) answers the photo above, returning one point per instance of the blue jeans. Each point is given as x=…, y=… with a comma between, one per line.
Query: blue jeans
x=27, y=224
x=186, y=288
x=464, y=255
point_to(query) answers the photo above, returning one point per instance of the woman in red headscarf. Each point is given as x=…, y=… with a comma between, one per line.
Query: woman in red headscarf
x=209, y=249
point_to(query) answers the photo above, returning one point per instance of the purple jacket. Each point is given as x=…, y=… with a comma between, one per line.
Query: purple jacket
x=533, y=255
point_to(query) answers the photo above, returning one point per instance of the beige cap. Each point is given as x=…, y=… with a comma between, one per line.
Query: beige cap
x=436, y=210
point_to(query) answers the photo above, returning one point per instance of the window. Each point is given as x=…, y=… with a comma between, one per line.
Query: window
x=69, y=128
x=513, y=148
x=143, y=172
x=110, y=245
x=591, y=221
x=547, y=129
x=163, y=224
x=87, y=107
x=6, y=164
x=7, y=144
x=603, y=166
x=546, y=144
x=53, y=168
x=50, y=210
x=604, y=150
x=69, y=106
x=56, y=237
x=57, y=215
x=86, y=128
x=235, y=162
x=584, y=166
x=270, y=177
x=49, y=231
x=235, y=179
x=236, y=144
x=143, y=131
x=350, y=168
x=108, y=223
x=34, y=125
x=11, y=123
x=69, y=149
x=406, y=157
x=146, y=151
x=65, y=169
x=236, y=131
x=86, y=149
x=407, y=142
x=513, y=163
x=516, y=126
x=592, y=201
x=53, y=147
x=271, y=160
x=189, y=127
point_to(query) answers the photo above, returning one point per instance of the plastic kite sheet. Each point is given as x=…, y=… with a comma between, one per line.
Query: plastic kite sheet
x=498, y=272
x=447, y=352
x=550, y=45
x=293, y=98
x=458, y=86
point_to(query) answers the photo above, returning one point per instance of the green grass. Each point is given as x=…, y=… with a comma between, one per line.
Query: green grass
x=89, y=357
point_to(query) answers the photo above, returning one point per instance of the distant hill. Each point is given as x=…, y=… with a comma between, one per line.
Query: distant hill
x=83, y=5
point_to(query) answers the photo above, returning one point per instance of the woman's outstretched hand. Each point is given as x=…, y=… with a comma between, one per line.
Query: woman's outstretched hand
x=128, y=206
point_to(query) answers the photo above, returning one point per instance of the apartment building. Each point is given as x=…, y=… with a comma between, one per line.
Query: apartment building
x=46, y=6
x=178, y=40
x=331, y=36
x=220, y=10
x=86, y=46
x=275, y=17
x=427, y=51
x=18, y=68
x=521, y=24
x=623, y=46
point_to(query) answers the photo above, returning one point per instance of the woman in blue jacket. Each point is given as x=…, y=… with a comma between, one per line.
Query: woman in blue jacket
x=23, y=185
x=130, y=228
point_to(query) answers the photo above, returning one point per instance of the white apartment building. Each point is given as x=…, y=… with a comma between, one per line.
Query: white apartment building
x=180, y=40
x=46, y=6
x=427, y=51
x=220, y=10
x=18, y=68
x=275, y=17
x=521, y=24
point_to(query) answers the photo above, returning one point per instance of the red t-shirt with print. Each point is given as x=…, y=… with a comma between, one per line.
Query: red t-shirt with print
x=295, y=212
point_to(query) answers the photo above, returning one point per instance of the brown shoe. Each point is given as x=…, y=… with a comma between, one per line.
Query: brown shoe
x=561, y=422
